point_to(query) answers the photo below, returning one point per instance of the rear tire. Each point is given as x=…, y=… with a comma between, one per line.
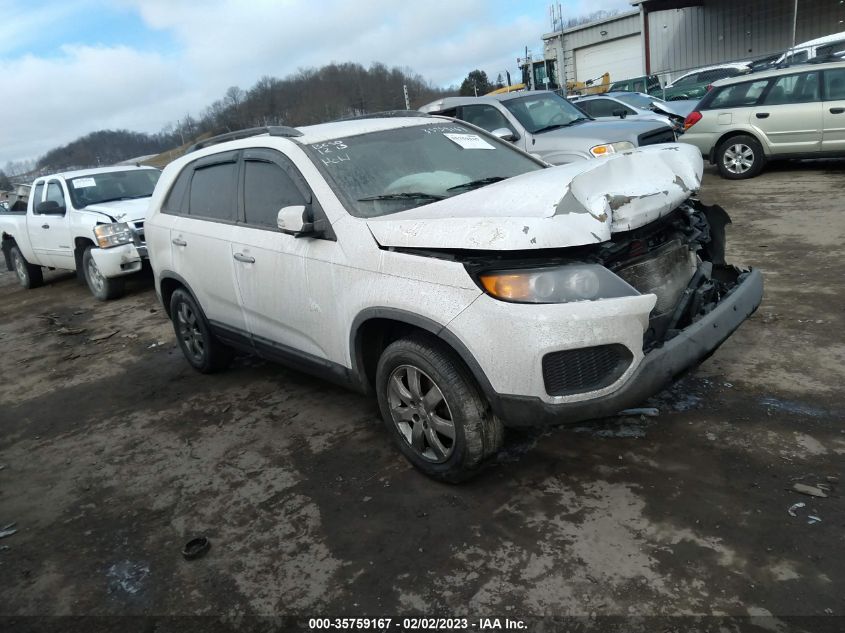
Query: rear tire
x=740, y=157
x=201, y=348
x=104, y=288
x=29, y=275
x=433, y=409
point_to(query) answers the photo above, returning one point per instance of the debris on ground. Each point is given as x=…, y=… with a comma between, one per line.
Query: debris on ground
x=196, y=548
x=70, y=331
x=103, y=336
x=812, y=518
x=812, y=491
x=794, y=507
x=8, y=530
x=651, y=412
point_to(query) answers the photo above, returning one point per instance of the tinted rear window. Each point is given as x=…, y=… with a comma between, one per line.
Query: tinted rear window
x=737, y=95
x=213, y=192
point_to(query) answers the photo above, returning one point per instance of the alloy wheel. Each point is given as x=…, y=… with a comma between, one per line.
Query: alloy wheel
x=421, y=413
x=20, y=267
x=95, y=277
x=189, y=332
x=738, y=158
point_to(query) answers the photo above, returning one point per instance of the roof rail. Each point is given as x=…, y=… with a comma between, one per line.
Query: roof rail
x=389, y=114
x=272, y=130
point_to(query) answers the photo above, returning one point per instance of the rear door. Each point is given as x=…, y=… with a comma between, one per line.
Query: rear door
x=789, y=116
x=203, y=210
x=38, y=235
x=833, y=111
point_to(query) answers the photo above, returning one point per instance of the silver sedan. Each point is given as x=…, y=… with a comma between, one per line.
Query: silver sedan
x=637, y=106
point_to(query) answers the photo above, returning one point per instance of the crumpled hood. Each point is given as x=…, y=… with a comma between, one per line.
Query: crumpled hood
x=122, y=210
x=570, y=205
x=680, y=108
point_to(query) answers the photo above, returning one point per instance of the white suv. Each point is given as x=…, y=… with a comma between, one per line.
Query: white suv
x=466, y=283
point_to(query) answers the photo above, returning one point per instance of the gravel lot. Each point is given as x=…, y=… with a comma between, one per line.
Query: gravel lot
x=115, y=452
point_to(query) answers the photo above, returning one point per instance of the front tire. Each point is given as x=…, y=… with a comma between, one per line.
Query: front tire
x=201, y=349
x=104, y=288
x=433, y=409
x=29, y=275
x=740, y=157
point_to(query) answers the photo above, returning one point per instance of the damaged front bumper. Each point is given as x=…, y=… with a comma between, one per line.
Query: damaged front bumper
x=119, y=260
x=660, y=366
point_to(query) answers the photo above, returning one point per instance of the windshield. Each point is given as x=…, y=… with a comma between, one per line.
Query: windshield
x=637, y=100
x=393, y=170
x=111, y=186
x=543, y=112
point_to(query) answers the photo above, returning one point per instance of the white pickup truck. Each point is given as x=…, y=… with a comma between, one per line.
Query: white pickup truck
x=90, y=221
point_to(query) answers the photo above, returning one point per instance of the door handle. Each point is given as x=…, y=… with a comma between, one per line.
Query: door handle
x=45, y=226
x=837, y=110
x=179, y=242
x=244, y=258
x=762, y=115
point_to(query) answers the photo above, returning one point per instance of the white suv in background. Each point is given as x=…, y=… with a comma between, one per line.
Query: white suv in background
x=466, y=283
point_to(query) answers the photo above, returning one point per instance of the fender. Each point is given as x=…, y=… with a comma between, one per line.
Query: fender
x=424, y=323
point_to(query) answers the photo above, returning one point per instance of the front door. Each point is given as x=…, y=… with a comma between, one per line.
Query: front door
x=790, y=115
x=284, y=281
x=59, y=239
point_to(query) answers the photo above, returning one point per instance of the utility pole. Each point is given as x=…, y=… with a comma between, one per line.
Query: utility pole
x=794, y=22
x=407, y=101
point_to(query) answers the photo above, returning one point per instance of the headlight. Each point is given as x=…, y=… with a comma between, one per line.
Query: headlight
x=611, y=148
x=561, y=284
x=109, y=235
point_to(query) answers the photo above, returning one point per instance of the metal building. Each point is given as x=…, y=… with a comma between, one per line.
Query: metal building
x=669, y=37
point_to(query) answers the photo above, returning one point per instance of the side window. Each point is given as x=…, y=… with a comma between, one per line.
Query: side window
x=798, y=56
x=54, y=192
x=177, y=201
x=486, y=117
x=603, y=107
x=688, y=80
x=37, y=194
x=738, y=95
x=267, y=188
x=801, y=88
x=834, y=84
x=213, y=190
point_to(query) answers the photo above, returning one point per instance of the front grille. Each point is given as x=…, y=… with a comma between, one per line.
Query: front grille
x=662, y=135
x=587, y=369
x=665, y=272
x=139, y=231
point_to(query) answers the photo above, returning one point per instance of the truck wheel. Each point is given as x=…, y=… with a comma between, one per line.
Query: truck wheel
x=29, y=275
x=433, y=409
x=202, y=350
x=104, y=288
x=740, y=157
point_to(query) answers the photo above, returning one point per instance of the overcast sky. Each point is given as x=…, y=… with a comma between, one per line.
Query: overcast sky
x=71, y=67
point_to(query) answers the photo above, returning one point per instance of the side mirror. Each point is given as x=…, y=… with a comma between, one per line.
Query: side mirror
x=621, y=113
x=49, y=207
x=505, y=134
x=298, y=220
x=295, y=220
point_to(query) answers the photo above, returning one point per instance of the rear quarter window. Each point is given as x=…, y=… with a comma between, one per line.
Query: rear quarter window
x=745, y=94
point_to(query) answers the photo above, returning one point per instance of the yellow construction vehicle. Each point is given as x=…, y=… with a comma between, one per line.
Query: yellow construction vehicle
x=590, y=87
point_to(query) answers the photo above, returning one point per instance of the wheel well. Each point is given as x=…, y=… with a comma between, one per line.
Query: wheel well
x=79, y=246
x=168, y=286
x=728, y=135
x=371, y=339
x=7, y=244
